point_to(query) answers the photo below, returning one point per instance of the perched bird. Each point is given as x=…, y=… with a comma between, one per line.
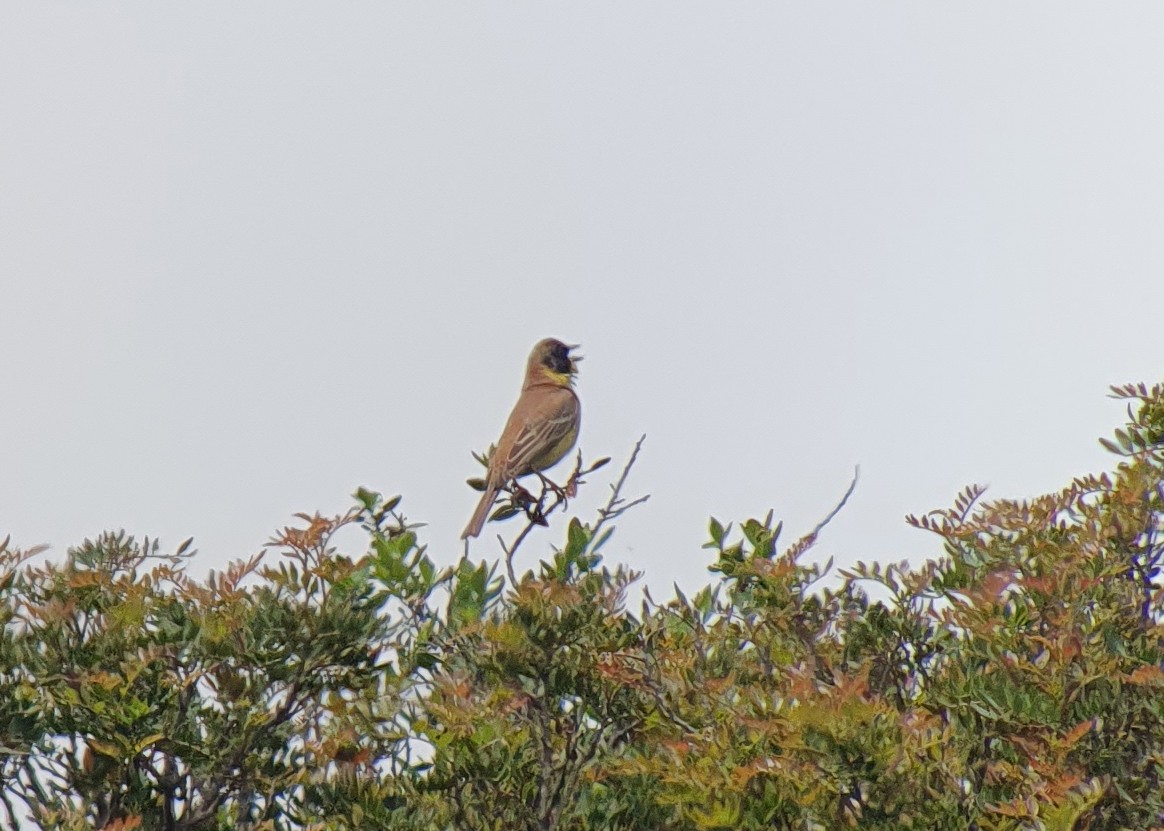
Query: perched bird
x=542, y=427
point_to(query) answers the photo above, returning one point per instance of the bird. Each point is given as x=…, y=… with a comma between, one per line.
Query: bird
x=542, y=427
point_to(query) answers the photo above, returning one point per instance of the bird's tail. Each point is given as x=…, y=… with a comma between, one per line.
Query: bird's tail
x=478, y=521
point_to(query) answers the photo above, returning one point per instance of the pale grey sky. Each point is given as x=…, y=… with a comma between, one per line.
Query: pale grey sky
x=253, y=255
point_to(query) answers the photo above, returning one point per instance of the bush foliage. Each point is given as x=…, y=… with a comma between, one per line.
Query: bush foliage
x=1015, y=681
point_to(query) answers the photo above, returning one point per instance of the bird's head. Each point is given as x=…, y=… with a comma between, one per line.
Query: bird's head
x=551, y=360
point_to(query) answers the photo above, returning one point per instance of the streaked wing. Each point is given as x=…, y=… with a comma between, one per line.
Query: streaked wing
x=540, y=435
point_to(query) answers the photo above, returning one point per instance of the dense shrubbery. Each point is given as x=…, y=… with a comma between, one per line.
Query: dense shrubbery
x=1014, y=682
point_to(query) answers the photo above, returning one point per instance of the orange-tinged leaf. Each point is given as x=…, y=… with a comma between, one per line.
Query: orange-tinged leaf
x=125, y=824
x=1147, y=675
x=1077, y=732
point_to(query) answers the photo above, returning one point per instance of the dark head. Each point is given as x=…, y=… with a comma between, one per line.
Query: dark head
x=551, y=360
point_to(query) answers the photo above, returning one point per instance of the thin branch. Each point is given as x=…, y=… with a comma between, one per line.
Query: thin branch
x=1142, y=567
x=34, y=784
x=803, y=544
x=614, y=507
x=511, y=549
x=13, y=822
x=844, y=499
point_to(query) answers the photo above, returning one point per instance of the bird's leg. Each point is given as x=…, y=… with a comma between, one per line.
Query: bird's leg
x=548, y=484
x=529, y=503
x=520, y=495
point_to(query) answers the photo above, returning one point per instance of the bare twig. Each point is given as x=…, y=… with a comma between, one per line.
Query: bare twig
x=803, y=544
x=844, y=500
x=615, y=506
x=510, y=551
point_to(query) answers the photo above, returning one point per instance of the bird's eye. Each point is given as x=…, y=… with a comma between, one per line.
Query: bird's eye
x=558, y=358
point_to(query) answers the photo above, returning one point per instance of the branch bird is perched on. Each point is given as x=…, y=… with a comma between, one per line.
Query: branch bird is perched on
x=542, y=427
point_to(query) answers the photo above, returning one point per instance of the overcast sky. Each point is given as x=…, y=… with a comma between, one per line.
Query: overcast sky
x=254, y=255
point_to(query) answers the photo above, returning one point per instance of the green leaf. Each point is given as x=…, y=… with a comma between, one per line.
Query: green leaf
x=368, y=498
x=602, y=539
x=716, y=531
x=391, y=504
x=577, y=538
